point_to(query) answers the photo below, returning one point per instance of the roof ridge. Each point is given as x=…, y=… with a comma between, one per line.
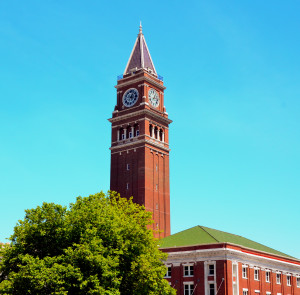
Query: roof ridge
x=208, y=233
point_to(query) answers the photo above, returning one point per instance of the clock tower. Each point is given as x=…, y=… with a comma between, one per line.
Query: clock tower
x=140, y=137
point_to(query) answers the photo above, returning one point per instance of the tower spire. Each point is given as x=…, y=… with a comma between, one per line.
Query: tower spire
x=140, y=57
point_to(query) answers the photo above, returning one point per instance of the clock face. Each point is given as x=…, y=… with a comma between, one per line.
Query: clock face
x=130, y=97
x=153, y=97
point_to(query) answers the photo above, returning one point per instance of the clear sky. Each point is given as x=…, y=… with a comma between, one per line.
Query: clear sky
x=232, y=72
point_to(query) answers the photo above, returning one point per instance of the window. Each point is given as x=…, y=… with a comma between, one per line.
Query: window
x=127, y=185
x=256, y=274
x=278, y=278
x=188, y=270
x=268, y=293
x=267, y=276
x=211, y=289
x=245, y=291
x=123, y=136
x=188, y=288
x=244, y=272
x=211, y=270
x=169, y=272
x=298, y=282
x=156, y=186
x=130, y=135
x=288, y=280
x=127, y=167
x=137, y=133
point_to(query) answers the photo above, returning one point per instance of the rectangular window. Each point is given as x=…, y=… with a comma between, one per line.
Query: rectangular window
x=256, y=274
x=267, y=276
x=137, y=133
x=245, y=292
x=211, y=269
x=278, y=278
x=127, y=185
x=268, y=293
x=211, y=289
x=288, y=280
x=169, y=272
x=127, y=167
x=188, y=289
x=123, y=136
x=245, y=272
x=130, y=135
x=188, y=270
x=298, y=282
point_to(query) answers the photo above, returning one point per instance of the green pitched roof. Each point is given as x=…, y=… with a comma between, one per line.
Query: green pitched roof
x=200, y=235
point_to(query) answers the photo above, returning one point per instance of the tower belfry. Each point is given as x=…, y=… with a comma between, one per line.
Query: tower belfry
x=140, y=137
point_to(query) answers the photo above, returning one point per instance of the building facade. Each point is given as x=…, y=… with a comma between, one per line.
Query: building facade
x=140, y=137
x=204, y=261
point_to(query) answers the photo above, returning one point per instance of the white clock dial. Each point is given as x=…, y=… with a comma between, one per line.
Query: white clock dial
x=130, y=97
x=153, y=97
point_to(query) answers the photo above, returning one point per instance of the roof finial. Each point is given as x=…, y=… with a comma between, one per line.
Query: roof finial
x=141, y=29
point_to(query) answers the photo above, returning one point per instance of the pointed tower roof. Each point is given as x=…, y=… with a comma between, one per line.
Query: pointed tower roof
x=140, y=57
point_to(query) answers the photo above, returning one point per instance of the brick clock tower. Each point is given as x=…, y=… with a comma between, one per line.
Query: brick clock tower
x=140, y=137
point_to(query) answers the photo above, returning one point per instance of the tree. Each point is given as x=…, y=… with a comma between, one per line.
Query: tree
x=101, y=244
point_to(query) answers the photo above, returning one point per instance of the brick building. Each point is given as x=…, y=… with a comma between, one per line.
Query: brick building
x=204, y=261
x=201, y=261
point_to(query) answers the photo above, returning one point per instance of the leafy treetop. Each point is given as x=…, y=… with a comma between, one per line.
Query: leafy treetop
x=101, y=244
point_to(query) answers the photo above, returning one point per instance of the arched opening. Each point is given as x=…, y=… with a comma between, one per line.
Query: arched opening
x=151, y=130
x=121, y=134
x=161, y=134
x=156, y=132
x=129, y=132
x=136, y=130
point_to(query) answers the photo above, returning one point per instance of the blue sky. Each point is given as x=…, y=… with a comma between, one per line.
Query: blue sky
x=231, y=69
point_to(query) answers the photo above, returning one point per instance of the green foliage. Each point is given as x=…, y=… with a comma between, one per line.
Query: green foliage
x=100, y=245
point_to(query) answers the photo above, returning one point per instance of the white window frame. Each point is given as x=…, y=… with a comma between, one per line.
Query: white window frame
x=245, y=291
x=127, y=185
x=127, y=166
x=191, y=287
x=256, y=274
x=130, y=134
x=289, y=280
x=298, y=282
x=123, y=136
x=190, y=270
x=268, y=293
x=214, y=269
x=169, y=271
x=211, y=283
x=268, y=276
x=278, y=278
x=245, y=272
x=137, y=133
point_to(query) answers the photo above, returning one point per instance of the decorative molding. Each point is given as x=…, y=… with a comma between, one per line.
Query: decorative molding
x=142, y=78
x=233, y=255
x=138, y=113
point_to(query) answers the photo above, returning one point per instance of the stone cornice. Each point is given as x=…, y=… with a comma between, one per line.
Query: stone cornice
x=138, y=79
x=138, y=113
x=137, y=142
x=234, y=255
